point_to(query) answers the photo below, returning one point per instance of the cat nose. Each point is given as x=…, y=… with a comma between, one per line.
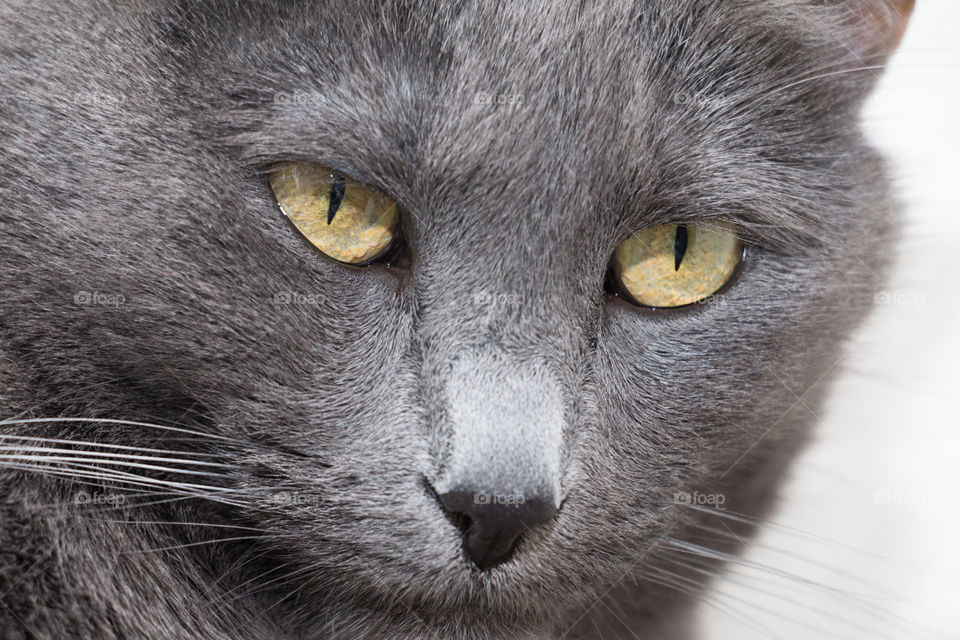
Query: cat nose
x=495, y=521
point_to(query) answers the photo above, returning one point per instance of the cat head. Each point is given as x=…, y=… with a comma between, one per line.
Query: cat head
x=489, y=378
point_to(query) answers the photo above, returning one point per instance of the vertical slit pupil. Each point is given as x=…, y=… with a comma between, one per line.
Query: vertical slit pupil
x=337, y=189
x=679, y=246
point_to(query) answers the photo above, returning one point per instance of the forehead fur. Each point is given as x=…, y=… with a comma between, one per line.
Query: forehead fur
x=470, y=113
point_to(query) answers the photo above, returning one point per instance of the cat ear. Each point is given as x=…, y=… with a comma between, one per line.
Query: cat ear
x=877, y=26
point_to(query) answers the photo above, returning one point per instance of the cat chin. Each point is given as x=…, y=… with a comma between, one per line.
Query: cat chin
x=397, y=620
x=359, y=594
x=374, y=597
x=548, y=616
x=479, y=602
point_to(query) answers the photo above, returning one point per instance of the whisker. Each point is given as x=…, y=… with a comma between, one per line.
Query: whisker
x=860, y=602
x=771, y=524
x=727, y=576
x=97, y=473
x=282, y=580
x=671, y=580
x=793, y=555
x=103, y=445
x=106, y=455
x=779, y=613
x=188, y=545
x=712, y=554
x=223, y=596
x=130, y=423
x=185, y=524
x=180, y=497
x=245, y=558
x=103, y=462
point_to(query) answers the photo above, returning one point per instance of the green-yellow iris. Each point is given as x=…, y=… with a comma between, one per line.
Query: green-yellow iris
x=347, y=221
x=675, y=265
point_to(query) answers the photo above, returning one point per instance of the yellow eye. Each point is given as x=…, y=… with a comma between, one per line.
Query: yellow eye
x=676, y=265
x=344, y=219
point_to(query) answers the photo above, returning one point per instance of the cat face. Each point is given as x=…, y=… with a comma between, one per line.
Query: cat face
x=370, y=412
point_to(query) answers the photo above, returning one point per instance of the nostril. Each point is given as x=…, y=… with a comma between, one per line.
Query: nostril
x=491, y=523
x=460, y=521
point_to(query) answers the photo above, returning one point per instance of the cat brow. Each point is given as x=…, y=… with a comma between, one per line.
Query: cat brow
x=773, y=208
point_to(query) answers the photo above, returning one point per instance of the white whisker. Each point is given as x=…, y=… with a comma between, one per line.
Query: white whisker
x=115, y=476
x=131, y=423
x=98, y=462
x=672, y=581
x=188, y=545
x=104, y=445
x=108, y=456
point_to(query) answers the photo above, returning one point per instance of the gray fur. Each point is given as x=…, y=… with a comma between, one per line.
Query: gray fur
x=524, y=141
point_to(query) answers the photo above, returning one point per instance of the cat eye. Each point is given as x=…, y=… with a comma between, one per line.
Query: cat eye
x=674, y=265
x=344, y=219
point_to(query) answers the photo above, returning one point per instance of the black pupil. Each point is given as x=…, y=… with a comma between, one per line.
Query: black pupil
x=337, y=189
x=679, y=246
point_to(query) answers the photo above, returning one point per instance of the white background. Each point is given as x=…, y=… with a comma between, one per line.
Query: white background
x=867, y=541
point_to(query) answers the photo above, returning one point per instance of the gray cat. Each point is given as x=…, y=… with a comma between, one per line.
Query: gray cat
x=490, y=319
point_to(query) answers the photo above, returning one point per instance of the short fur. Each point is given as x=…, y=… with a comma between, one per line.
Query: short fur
x=148, y=276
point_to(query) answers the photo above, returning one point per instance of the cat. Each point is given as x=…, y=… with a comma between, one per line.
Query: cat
x=211, y=430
